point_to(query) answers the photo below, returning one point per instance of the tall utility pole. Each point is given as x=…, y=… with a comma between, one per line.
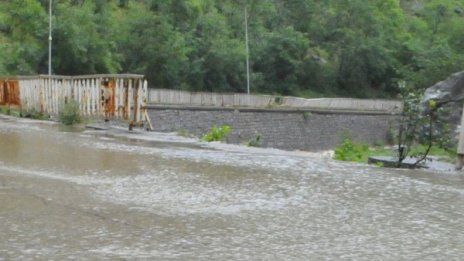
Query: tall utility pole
x=50, y=38
x=247, y=51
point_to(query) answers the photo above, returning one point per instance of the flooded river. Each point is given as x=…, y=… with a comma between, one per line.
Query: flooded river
x=92, y=195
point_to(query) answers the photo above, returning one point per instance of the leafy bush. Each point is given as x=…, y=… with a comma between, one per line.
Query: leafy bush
x=217, y=133
x=256, y=142
x=350, y=151
x=70, y=113
x=306, y=115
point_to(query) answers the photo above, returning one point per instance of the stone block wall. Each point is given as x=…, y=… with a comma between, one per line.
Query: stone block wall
x=283, y=129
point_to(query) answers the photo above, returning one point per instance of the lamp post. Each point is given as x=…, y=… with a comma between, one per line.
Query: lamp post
x=247, y=51
x=50, y=38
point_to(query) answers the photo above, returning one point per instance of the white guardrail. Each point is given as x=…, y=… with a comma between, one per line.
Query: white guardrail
x=174, y=97
x=121, y=96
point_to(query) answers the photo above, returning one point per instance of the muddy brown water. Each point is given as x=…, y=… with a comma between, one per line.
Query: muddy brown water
x=113, y=195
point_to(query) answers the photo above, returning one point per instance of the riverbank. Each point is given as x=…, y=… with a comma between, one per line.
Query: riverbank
x=438, y=159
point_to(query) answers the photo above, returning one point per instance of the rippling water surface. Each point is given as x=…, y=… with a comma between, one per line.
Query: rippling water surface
x=113, y=195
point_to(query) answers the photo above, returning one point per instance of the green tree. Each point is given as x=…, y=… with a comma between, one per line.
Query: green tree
x=150, y=45
x=420, y=125
x=280, y=61
x=218, y=58
x=435, y=45
x=310, y=47
x=363, y=38
x=23, y=34
x=83, y=43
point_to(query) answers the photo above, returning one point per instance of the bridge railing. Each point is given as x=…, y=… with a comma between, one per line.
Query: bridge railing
x=185, y=98
x=121, y=96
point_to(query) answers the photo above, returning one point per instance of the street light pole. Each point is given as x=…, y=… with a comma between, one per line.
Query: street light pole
x=247, y=51
x=50, y=39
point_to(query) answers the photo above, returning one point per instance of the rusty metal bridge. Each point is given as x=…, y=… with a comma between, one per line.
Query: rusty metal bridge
x=109, y=96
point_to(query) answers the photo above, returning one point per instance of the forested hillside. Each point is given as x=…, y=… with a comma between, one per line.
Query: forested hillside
x=355, y=48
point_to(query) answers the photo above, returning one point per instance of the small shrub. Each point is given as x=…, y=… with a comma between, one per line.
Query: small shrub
x=350, y=151
x=70, y=113
x=306, y=115
x=217, y=133
x=256, y=142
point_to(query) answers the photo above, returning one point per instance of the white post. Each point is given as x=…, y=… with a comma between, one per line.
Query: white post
x=460, y=152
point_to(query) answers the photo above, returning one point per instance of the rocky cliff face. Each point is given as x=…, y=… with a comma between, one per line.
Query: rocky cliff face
x=449, y=90
x=448, y=94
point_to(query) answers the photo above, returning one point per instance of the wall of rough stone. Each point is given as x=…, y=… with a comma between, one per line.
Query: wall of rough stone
x=283, y=129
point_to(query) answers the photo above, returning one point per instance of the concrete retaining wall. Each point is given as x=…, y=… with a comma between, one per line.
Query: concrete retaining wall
x=283, y=129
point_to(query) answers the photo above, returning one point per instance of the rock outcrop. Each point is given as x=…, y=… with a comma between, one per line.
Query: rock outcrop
x=448, y=94
x=449, y=90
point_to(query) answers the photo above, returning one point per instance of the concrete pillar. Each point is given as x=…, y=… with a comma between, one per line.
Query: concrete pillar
x=460, y=152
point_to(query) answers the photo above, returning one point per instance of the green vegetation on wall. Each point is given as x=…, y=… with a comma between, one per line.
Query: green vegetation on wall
x=351, y=48
x=217, y=133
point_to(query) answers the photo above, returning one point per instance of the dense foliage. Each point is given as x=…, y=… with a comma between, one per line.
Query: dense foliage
x=306, y=47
